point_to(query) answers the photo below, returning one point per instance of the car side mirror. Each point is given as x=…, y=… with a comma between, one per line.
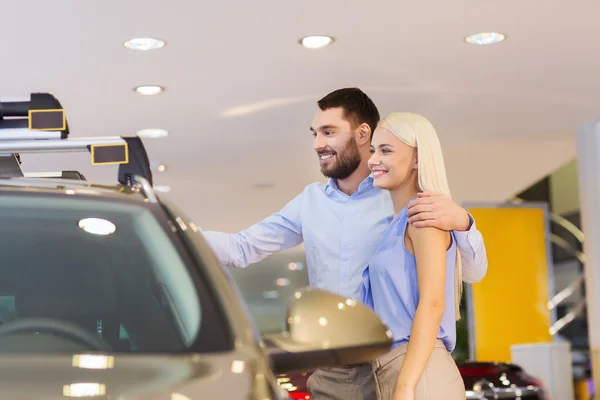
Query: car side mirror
x=325, y=329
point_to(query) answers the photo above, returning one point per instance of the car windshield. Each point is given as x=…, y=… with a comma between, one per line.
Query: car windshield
x=91, y=274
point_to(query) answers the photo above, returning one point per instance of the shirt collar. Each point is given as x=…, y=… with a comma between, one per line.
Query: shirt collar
x=332, y=187
x=366, y=184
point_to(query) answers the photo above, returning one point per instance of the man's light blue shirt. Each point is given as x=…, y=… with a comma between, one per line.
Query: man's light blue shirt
x=340, y=234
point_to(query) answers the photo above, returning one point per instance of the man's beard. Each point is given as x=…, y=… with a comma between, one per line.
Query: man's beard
x=346, y=162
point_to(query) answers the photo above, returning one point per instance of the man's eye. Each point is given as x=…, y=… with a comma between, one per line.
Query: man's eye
x=328, y=132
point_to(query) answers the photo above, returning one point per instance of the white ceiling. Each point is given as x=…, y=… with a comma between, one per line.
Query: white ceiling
x=241, y=92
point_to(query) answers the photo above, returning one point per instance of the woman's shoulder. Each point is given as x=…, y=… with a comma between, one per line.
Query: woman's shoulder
x=429, y=235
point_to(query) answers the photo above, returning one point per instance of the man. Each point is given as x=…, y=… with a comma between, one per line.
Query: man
x=341, y=224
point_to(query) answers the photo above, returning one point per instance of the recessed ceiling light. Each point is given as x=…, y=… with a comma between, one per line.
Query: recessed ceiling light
x=158, y=167
x=149, y=90
x=152, y=133
x=161, y=168
x=316, y=42
x=144, y=44
x=483, y=38
x=179, y=396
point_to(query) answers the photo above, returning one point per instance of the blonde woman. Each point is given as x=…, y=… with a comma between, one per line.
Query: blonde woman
x=413, y=282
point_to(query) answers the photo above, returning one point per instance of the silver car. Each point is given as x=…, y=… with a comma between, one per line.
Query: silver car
x=111, y=292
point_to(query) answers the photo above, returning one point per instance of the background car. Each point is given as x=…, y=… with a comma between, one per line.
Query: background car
x=501, y=381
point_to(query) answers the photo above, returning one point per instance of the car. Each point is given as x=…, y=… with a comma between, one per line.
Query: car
x=110, y=291
x=498, y=380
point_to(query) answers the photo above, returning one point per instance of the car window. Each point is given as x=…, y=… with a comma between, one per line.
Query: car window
x=109, y=268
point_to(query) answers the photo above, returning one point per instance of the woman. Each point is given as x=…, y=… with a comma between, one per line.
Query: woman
x=413, y=282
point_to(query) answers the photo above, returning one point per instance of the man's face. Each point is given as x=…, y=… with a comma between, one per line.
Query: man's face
x=335, y=143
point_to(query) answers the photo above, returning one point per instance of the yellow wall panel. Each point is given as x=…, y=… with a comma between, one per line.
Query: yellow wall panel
x=509, y=306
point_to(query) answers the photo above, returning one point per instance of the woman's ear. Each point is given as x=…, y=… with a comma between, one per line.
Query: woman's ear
x=415, y=160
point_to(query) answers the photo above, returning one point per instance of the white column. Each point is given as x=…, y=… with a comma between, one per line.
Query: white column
x=588, y=165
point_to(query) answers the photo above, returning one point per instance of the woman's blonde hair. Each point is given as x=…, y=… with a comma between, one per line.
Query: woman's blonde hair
x=416, y=131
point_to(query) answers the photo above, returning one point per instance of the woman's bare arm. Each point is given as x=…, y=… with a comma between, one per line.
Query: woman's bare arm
x=430, y=245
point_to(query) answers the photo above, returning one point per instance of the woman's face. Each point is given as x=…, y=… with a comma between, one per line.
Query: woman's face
x=392, y=160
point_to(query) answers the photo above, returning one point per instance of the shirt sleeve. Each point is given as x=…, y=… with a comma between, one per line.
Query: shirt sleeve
x=277, y=232
x=473, y=254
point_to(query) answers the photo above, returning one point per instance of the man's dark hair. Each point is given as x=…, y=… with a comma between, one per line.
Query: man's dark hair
x=358, y=107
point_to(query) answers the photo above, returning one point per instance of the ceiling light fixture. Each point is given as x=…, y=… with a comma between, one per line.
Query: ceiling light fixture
x=179, y=396
x=144, y=44
x=483, y=38
x=158, y=167
x=152, y=133
x=316, y=42
x=149, y=90
x=161, y=168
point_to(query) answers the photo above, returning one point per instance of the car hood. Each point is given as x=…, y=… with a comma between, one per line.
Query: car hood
x=216, y=376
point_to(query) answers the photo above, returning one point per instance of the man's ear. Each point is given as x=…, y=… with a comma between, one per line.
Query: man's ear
x=364, y=134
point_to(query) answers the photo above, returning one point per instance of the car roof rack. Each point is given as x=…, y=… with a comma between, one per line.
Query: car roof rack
x=41, y=116
x=39, y=125
x=70, y=175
